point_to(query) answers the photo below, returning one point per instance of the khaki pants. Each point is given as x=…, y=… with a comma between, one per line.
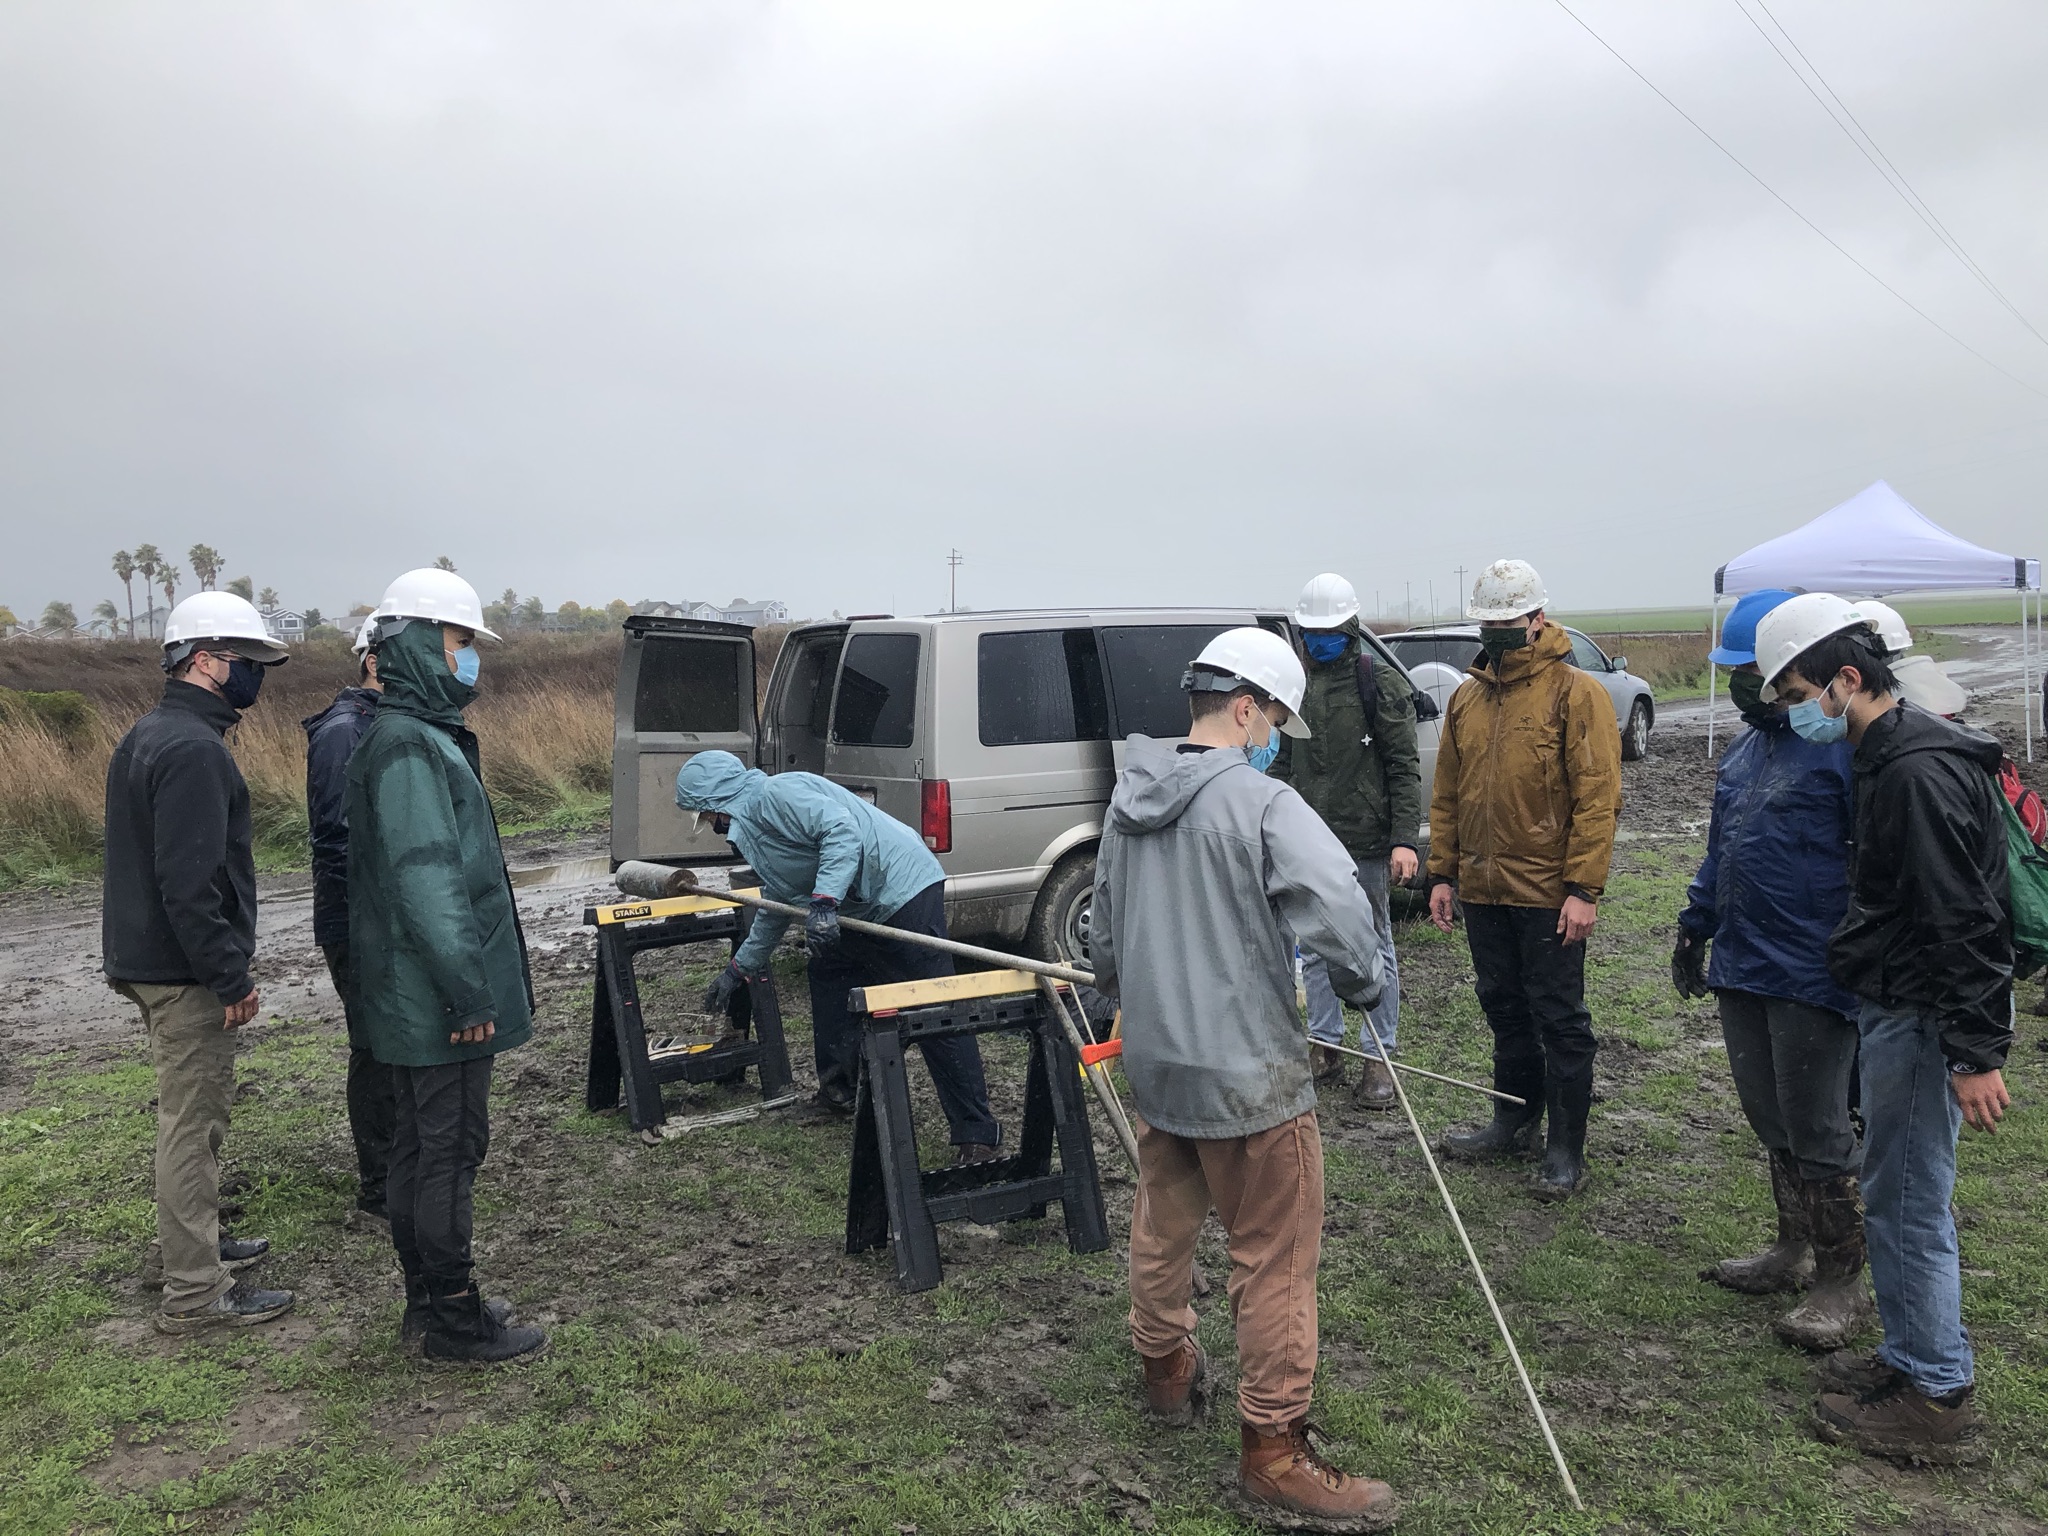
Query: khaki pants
x=1268, y=1191
x=194, y=1057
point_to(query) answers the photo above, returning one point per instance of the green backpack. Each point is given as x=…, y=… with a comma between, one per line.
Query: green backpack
x=2029, y=873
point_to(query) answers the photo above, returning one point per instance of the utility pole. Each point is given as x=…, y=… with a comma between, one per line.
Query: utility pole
x=953, y=564
x=1463, y=601
x=1432, y=603
x=1408, y=603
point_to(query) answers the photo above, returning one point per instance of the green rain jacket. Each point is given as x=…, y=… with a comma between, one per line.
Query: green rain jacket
x=433, y=933
x=1362, y=777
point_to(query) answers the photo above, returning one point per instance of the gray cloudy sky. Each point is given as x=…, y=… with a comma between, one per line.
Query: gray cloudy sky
x=1154, y=303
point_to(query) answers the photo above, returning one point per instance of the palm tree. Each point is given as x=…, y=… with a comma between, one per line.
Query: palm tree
x=124, y=567
x=168, y=576
x=266, y=600
x=443, y=563
x=147, y=562
x=108, y=615
x=206, y=564
x=60, y=616
x=243, y=588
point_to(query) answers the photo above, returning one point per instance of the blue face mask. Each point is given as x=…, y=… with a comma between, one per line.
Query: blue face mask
x=1261, y=758
x=467, y=665
x=1324, y=645
x=1813, y=722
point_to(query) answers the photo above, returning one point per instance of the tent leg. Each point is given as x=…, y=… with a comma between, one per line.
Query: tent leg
x=2027, y=667
x=1713, y=673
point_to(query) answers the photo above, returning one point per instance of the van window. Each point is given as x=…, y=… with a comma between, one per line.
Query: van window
x=688, y=685
x=877, y=692
x=1145, y=663
x=1042, y=685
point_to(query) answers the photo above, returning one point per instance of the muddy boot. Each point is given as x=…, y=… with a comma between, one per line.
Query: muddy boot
x=1288, y=1487
x=1325, y=1066
x=1177, y=1385
x=1375, y=1088
x=236, y=1255
x=1512, y=1132
x=1564, y=1161
x=412, y=1328
x=1853, y=1372
x=1839, y=1303
x=1787, y=1265
x=462, y=1327
x=1899, y=1421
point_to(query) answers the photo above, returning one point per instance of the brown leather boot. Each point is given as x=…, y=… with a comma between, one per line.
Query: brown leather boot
x=1839, y=1304
x=1787, y=1265
x=1325, y=1066
x=1900, y=1422
x=1375, y=1088
x=1288, y=1487
x=1177, y=1385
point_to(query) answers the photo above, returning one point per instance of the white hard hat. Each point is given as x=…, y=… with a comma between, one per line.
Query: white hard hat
x=1891, y=629
x=438, y=596
x=1258, y=657
x=365, y=634
x=1794, y=626
x=1506, y=590
x=1326, y=602
x=219, y=616
x=1923, y=682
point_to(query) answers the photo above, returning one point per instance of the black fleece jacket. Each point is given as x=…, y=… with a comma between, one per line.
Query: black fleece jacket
x=1929, y=925
x=331, y=738
x=179, y=903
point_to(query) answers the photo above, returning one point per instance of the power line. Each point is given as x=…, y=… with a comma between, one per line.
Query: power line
x=1783, y=202
x=1880, y=162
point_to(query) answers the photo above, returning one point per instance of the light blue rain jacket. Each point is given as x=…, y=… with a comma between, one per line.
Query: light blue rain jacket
x=805, y=836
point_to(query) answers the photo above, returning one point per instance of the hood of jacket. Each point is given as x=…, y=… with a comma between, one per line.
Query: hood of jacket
x=350, y=701
x=416, y=678
x=1158, y=783
x=1551, y=646
x=716, y=781
x=1909, y=728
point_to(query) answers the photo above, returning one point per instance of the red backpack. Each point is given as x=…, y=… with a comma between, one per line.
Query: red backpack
x=2025, y=803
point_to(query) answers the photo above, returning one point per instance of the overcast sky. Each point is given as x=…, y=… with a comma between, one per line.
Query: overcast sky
x=1180, y=302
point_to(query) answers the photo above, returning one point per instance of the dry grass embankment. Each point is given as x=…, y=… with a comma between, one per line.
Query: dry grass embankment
x=545, y=722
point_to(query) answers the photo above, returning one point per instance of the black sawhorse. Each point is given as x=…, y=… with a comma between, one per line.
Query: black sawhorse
x=621, y=1054
x=889, y=1199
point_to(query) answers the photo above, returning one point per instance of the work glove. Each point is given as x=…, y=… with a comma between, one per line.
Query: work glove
x=1689, y=966
x=723, y=989
x=821, y=928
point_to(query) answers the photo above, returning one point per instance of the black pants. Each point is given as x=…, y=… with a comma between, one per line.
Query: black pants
x=444, y=1130
x=1532, y=986
x=1792, y=1065
x=372, y=1098
x=864, y=960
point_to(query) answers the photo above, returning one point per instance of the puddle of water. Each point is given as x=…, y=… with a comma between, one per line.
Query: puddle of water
x=571, y=872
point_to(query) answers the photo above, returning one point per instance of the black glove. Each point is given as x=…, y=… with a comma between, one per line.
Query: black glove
x=1689, y=966
x=821, y=928
x=723, y=989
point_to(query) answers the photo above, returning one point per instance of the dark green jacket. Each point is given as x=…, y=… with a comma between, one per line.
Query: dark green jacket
x=1363, y=778
x=433, y=934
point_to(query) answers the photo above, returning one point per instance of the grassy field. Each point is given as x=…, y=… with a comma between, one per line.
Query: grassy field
x=719, y=1365
x=1961, y=608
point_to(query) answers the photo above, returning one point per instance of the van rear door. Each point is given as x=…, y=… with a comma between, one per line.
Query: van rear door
x=685, y=686
x=880, y=722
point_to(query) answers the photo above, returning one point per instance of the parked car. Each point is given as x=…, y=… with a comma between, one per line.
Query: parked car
x=1438, y=658
x=996, y=735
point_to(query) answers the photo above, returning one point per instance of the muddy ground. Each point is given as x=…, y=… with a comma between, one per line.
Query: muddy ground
x=720, y=1364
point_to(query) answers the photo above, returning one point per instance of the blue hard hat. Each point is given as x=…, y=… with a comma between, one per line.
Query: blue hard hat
x=1738, y=635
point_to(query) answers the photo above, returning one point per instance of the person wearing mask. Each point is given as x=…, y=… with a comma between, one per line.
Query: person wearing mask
x=436, y=954
x=178, y=933
x=1927, y=946
x=1521, y=825
x=1754, y=933
x=1361, y=772
x=1209, y=873
x=331, y=737
x=816, y=844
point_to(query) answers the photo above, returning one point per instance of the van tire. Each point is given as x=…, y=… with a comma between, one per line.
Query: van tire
x=1062, y=911
x=1635, y=740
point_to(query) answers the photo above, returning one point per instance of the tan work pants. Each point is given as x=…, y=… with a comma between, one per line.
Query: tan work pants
x=1268, y=1191
x=194, y=1057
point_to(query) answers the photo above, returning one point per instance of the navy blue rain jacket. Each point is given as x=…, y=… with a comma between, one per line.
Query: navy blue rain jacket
x=1776, y=878
x=331, y=738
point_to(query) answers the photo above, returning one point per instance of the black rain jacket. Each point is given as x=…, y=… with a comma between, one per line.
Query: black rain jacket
x=331, y=738
x=179, y=901
x=1929, y=925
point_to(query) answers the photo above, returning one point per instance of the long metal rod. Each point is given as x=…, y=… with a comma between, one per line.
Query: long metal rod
x=1097, y=1075
x=1535, y=1404
x=1434, y=1077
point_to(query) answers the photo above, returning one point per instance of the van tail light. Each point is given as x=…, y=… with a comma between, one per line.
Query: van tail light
x=935, y=815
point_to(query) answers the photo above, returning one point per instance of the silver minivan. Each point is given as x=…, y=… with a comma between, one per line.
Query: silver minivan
x=996, y=735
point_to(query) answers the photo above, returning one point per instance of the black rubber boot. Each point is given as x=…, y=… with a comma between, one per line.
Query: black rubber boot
x=1787, y=1265
x=464, y=1328
x=1839, y=1305
x=1564, y=1160
x=412, y=1328
x=1512, y=1132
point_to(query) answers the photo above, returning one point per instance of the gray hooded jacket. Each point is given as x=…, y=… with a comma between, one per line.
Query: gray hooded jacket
x=1208, y=874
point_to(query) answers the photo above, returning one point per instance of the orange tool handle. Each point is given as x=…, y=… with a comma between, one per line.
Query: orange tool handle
x=1107, y=1051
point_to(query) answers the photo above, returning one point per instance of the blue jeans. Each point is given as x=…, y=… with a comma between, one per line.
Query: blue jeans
x=1325, y=1012
x=1911, y=1121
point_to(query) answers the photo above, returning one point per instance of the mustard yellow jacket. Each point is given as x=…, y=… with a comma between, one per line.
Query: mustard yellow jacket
x=1528, y=781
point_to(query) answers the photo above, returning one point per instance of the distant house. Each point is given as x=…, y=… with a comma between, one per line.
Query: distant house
x=682, y=610
x=753, y=615
x=287, y=626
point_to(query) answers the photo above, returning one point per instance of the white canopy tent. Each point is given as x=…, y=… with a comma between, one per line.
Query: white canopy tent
x=1873, y=545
